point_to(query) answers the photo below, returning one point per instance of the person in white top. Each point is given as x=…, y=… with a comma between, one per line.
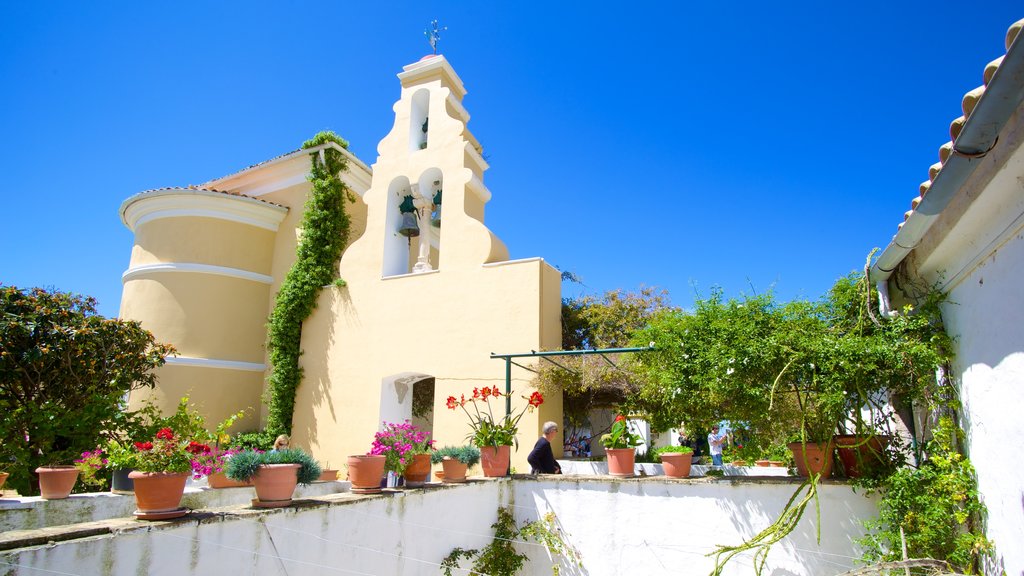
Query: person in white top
x=715, y=441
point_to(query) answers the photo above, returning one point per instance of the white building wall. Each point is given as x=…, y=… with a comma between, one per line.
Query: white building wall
x=648, y=527
x=985, y=317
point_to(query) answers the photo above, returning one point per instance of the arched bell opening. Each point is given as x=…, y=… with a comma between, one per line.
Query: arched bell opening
x=419, y=120
x=399, y=228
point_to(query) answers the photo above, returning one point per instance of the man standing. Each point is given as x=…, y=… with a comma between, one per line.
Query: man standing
x=542, y=459
x=715, y=441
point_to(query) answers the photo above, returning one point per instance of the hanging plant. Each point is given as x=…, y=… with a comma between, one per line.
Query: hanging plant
x=325, y=229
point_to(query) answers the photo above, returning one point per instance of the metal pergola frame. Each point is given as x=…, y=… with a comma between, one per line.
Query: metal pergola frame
x=546, y=356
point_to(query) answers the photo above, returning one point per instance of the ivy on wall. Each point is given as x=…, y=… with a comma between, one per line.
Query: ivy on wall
x=325, y=229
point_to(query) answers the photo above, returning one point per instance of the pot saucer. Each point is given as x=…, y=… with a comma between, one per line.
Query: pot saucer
x=161, y=515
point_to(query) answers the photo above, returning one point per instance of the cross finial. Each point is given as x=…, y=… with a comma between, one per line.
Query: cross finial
x=433, y=35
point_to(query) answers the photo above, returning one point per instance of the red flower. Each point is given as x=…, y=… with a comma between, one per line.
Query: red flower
x=485, y=392
x=452, y=403
x=197, y=448
x=495, y=392
x=536, y=399
x=165, y=434
x=144, y=446
x=620, y=418
x=476, y=392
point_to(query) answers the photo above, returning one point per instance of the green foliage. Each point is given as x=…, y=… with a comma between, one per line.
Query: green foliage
x=798, y=367
x=657, y=452
x=258, y=440
x=468, y=455
x=935, y=506
x=621, y=436
x=64, y=372
x=325, y=229
x=499, y=558
x=590, y=382
x=242, y=467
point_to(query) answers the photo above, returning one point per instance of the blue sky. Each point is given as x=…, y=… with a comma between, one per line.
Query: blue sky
x=751, y=146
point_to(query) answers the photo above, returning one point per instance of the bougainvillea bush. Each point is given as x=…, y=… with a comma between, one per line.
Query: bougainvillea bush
x=398, y=443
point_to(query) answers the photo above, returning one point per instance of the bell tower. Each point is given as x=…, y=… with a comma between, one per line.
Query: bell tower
x=428, y=165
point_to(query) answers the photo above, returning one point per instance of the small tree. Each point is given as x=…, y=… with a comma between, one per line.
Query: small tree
x=64, y=374
x=606, y=322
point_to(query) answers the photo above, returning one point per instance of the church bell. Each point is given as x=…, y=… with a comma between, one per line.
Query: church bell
x=409, y=227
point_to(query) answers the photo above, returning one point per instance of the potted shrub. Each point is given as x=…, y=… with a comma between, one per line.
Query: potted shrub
x=620, y=447
x=160, y=470
x=494, y=437
x=274, y=474
x=120, y=457
x=455, y=460
x=675, y=460
x=406, y=451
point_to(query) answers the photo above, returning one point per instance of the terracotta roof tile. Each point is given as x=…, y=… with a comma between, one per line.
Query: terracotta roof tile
x=968, y=104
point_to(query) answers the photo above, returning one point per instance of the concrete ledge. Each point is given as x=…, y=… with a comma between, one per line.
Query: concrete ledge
x=597, y=468
x=34, y=513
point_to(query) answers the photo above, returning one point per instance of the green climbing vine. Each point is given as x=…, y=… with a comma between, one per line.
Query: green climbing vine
x=325, y=228
x=500, y=558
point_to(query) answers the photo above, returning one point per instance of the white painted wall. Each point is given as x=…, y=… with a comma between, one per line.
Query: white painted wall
x=619, y=527
x=986, y=319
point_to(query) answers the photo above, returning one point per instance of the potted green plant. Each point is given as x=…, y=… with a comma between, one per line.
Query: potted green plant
x=620, y=447
x=675, y=460
x=274, y=474
x=494, y=436
x=120, y=459
x=160, y=469
x=455, y=460
x=406, y=450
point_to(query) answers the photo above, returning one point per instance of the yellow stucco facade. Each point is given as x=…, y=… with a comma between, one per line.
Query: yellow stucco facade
x=208, y=261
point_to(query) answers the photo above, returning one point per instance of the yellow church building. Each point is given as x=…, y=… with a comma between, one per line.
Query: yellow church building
x=428, y=294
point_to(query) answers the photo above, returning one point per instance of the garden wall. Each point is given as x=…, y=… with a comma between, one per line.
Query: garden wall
x=637, y=526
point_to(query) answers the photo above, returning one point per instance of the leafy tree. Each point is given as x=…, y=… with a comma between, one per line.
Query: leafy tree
x=64, y=374
x=589, y=322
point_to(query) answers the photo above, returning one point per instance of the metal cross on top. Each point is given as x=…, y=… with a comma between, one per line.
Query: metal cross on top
x=433, y=35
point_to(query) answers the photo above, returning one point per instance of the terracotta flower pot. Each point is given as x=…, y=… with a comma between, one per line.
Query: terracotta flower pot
x=454, y=471
x=817, y=459
x=220, y=480
x=365, y=473
x=3, y=478
x=56, y=482
x=859, y=454
x=621, y=461
x=416, y=474
x=328, y=475
x=676, y=464
x=158, y=494
x=275, y=484
x=739, y=462
x=495, y=461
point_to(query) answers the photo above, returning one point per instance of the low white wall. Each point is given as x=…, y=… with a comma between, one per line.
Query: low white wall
x=640, y=526
x=669, y=527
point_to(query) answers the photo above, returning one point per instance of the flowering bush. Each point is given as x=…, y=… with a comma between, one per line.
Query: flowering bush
x=210, y=461
x=398, y=443
x=166, y=453
x=89, y=465
x=486, y=430
x=621, y=436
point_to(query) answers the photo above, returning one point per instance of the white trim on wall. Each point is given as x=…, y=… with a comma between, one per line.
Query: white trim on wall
x=145, y=269
x=214, y=363
x=185, y=202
